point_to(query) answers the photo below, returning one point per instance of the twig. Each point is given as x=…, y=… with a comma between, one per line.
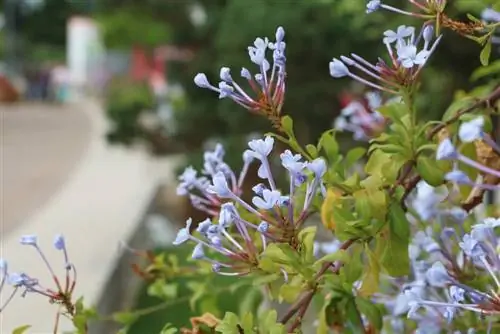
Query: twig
x=488, y=101
x=306, y=298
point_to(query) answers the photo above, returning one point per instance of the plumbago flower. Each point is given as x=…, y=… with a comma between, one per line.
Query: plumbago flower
x=362, y=118
x=468, y=132
x=406, y=60
x=235, y=240
x=268, y=85
x=196, y=186
x=24, y=284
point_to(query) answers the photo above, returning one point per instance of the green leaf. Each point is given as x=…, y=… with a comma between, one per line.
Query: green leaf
x=371, y=279
x=485, y=71
x=394, y=241
x=306, y=239
x=21, y=329
x=340, y=255
x=353, y=156
x=311, y=149
x=161, y=289
x=229, y=325
x=268, y=323
x=247, y=323
x=250, y=300
x=329, y=145
x=125, y=318
x=429, y=170
x=371, y=203
x=289, y=293
x=198, y=289
x=169, y=329
x=353, y=316
x=485, y=53
x=287, y=125
x=371, y=312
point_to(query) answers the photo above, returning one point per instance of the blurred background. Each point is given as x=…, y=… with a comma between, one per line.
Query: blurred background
x=99, y=111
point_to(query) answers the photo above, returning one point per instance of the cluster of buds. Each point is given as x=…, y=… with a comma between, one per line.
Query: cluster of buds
x=268, y=85
x=468, y=132
x=196, y=186
x=362, y=118
x=433, y=11
x=406, y=60
x=423, y=9
x=23, y=283
x=235, y=239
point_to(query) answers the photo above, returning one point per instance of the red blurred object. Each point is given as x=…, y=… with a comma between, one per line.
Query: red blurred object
x=345, y=98
x=8, y=93
x=140, y=66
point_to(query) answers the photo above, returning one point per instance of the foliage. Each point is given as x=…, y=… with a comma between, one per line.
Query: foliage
x=407, y=252
x=124, y=103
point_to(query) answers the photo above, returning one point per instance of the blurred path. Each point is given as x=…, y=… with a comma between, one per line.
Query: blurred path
x=40, y=144
x=100, y=204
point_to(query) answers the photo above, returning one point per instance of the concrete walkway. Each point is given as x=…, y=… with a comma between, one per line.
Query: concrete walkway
x=40, y=145
x=99, y=205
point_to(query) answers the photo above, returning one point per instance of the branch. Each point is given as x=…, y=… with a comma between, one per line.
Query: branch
x=487, y=102
x=303, y=302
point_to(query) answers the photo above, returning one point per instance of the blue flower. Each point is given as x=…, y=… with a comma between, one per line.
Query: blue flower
x=220, y=186
x=292, y=162
x=471, y=130
x=225, y=74
x=471, y=246
x=437, y=275
x=485, y=230
x=225, y=90
x=183, y=235
x=227, y=214
x=203, y=226
x=409, y=56
x=399, y=35
x=457, y=294
x=30, y=240
x=59, y=243
x=318, y=167
x=372, y=6
x=446, y=150
x=269, y=199
x=3, y=267
x=457, y=176
x=261, y=147
x=428, y=33
x=258, y=189
x=245, y=73
x=263, y=227
x=338, y=69
x=201, y=80
x=198, y=252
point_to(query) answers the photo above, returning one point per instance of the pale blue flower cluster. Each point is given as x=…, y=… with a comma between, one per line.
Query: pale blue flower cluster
x=361, y=117
x=24, y=283
x=238, y=238
x=423, y=7
x=468, y=132
x=268, y=84
x=196, y=185
x=406, y=60
x=442, y=262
